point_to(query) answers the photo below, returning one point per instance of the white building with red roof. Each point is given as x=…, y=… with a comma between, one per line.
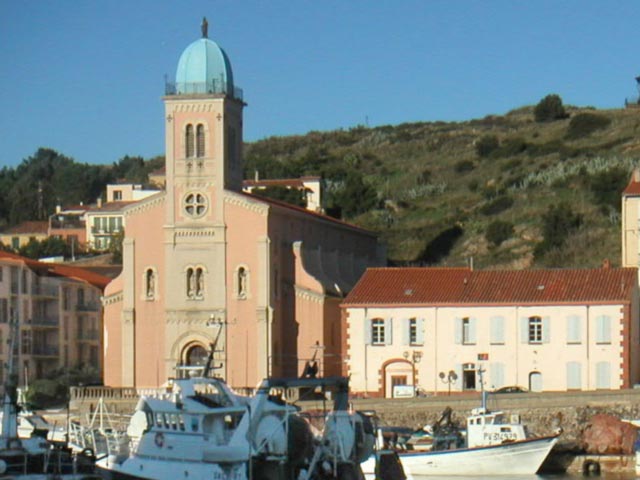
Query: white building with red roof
x=546, y=330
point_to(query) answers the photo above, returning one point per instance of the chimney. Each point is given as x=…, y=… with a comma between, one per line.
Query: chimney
x=58, y=208
x=636, y=175
x=99, y=202
x=256, y=175
x=606, y=264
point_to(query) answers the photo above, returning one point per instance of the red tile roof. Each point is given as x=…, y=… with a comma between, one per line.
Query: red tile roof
x=454, y=286
x=28, y=227
x=633, y=188
x=285, y=182
x=112, y=206
x=55, y=269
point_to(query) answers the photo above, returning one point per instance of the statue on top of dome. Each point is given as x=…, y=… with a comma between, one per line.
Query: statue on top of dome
x=205, y=27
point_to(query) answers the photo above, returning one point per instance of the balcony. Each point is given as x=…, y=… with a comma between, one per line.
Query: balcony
x=88, y=307
x=45, y=321
x=89, y=335
x=45, y=291
x=213, y=87
x=45, y=351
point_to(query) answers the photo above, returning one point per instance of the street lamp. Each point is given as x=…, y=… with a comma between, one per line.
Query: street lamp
x=448, y=378
x=416, y=356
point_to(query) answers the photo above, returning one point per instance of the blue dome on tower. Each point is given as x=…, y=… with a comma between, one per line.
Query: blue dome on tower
x=204, y=68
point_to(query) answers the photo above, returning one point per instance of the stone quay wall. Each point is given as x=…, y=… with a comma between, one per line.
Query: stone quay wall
x=541, y=412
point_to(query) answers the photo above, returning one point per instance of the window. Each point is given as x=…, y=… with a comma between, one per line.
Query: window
x=413, y=331
x=200, y=141
x=603, y=329
x=150, y=284
x=496, y=372
x=535, y=330
x=26, y=342
x=80, y=297
x=1, y=273
x=117, y=195
x=188, y=141
x=4, y=310
x=468, y=334
x=469, y=376
x=377, y=331
x=195, y=204
x=15, y=243
x=195, y=283
x=66, y=298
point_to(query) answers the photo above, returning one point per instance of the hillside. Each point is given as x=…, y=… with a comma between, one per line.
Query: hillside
x=505, y=191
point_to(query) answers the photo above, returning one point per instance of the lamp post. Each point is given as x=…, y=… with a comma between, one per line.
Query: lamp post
x=448, y=378
x=414, y=357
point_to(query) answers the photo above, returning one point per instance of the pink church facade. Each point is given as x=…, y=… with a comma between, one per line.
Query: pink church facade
x=204, y=262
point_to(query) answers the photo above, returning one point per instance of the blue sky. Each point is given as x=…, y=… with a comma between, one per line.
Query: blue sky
x=86, y=77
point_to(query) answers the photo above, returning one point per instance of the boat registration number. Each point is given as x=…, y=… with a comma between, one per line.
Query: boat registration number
x=496, y=437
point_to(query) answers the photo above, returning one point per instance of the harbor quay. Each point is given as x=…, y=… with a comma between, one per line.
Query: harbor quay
x=542, y=412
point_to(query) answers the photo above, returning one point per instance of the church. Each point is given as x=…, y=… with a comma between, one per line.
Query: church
x=205, y=263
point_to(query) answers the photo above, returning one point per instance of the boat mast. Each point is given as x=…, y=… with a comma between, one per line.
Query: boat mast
x=10, y=405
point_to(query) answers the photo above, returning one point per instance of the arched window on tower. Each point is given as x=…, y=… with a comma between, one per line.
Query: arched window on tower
x=200, y=140
x=150, y=283
x=195, y=283
x=188, y=141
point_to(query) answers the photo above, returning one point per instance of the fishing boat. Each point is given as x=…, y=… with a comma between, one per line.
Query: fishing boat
x=493, y=443
x=201, y=429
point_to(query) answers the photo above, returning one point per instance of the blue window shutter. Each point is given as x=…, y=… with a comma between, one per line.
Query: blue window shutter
x=603, y=329
x=574, y=376
x=497, y=330
x=367, y=331
x=406, y=331
x=472, y=330
x=524, y=330
x=496, y=371
x=420, y=323
x=603, y=375
x=458, y=331
x=574, y=334
x=546, y=330
x=388, y=331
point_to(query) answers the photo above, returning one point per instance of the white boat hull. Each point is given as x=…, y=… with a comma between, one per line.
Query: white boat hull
x=136, y=468
x=522, y=457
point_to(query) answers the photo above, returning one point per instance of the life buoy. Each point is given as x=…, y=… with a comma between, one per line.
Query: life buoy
x=159, y=440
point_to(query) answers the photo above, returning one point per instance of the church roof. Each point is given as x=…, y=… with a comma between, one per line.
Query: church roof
x=204, y=68
x=455, y=286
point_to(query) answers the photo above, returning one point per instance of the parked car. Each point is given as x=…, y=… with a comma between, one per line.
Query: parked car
x=510, y=389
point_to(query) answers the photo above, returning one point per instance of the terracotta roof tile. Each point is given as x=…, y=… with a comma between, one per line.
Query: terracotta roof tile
x=633, y=188
x=452, y=286
x=29, y=227
x=112, y=206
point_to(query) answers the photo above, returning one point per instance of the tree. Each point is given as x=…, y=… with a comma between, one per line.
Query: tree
x=557, y=223
x=292, y=196
x=549, y=108
x=115, y=247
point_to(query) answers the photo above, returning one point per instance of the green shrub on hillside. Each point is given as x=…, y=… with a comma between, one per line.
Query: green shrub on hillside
x=584, y=124
x=606, y=187
x=497, y=205
x=549, y=108
x=464, y=166
x=498, y=231
x=486, y=145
